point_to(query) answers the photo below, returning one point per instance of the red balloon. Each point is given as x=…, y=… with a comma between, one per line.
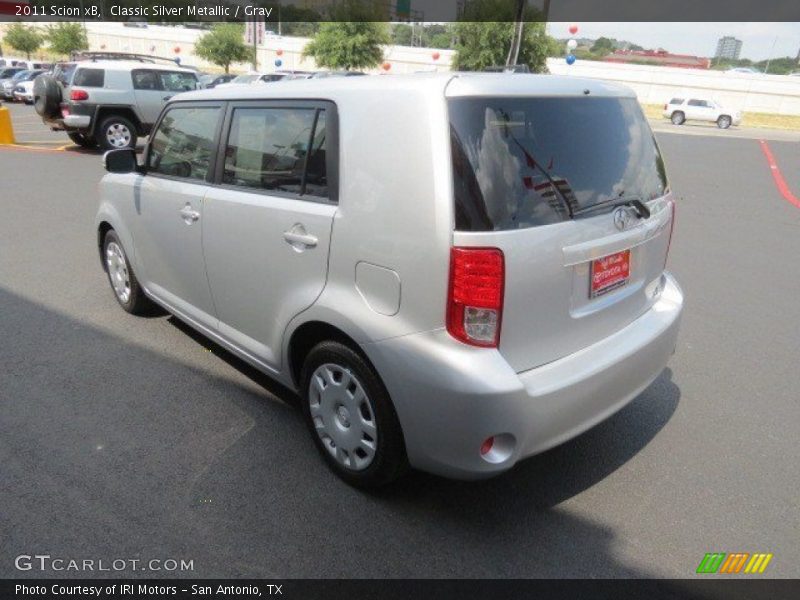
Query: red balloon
x=386, y=66
x=573, y=29
x=279, y=52
x=435, y=55
x=177, y=49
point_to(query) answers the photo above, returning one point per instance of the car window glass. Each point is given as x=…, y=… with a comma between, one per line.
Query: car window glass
x=89, y=78
x=696, y=103
x=177, y=82
x=145, y=80
x=267, y=149
x=182, y=145
x=316, y=171
x=676, y=101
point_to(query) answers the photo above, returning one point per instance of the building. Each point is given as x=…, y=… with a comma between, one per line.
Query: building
x=728, y=47
x=658, y=57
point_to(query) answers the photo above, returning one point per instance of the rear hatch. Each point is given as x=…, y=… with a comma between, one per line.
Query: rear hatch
x=572, y=189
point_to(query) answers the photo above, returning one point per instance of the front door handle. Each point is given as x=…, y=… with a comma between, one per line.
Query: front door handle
x=299, y=239
x=189, y=215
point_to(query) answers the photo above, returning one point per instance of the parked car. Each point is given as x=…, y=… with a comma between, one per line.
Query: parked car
x=680, y=110
x=6, y=74
x=10, y=84
x=485, y=286
x=109, y=103
x=23, y=92
x=211, y=81
x=323, y=74
x=251, y=79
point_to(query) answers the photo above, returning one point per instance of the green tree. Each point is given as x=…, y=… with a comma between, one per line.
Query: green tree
x=66, y=38
x=224, y=45
x=349, y=44
x=602, y=46
x=23, y=38
x=402, y=34
x=481, y=45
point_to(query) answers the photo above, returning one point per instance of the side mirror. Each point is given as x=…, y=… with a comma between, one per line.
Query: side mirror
x=122, y=160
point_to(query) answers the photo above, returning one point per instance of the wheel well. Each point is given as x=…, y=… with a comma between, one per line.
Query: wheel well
x=309, y=335
x=676, y=112
x=101, y=236
x=120, y=111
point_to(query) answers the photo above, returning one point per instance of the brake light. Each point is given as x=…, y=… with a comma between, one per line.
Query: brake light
x=666, y=106
x=78, y=95
x=475, y=295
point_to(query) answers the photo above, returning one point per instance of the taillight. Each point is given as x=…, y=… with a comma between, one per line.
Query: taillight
x=78, y=95
x=475, y=295
x=666, y=106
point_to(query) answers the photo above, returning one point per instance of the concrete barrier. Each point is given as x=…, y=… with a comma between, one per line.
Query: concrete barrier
x=6, y=128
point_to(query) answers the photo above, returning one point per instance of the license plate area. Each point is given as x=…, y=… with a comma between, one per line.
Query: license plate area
x=609, y=273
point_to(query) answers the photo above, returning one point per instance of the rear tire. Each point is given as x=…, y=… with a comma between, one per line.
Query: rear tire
x=724, y=122
x=678, y=118
x=351, y=416
x=116, y=132
x=126, y=288
x=81, y=139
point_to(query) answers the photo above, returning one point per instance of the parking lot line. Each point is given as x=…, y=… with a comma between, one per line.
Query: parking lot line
x=780, y=182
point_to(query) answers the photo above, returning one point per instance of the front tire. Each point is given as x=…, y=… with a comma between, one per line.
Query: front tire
x=126, y=288
x=116, y=132
x=678, y=118
x=724, y=122
x=351, y=416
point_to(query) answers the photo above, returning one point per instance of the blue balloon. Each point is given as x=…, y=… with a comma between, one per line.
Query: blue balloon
x=278, y=62
x=570, y=59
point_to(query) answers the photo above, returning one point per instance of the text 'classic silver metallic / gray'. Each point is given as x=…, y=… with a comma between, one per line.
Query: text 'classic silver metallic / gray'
x=454, y=271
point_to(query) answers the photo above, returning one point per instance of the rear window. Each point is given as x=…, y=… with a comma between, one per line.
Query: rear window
x=523, y=162
x=89, y=78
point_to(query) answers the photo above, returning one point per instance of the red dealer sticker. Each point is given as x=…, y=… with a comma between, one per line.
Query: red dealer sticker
x=610, y=272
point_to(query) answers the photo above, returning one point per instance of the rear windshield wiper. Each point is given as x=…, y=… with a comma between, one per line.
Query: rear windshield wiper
x=642, y=211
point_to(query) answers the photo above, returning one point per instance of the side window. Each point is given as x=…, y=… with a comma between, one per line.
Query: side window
x=697, y=103
x=144, y=79
x=676, y=101
x=177, y=82
x=183, y=143
x=89, y=78
x=268, y=148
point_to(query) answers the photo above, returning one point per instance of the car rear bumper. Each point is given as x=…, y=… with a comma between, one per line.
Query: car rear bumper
x=451, y=397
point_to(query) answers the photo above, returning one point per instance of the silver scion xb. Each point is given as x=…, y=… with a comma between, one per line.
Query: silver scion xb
x=454, y=271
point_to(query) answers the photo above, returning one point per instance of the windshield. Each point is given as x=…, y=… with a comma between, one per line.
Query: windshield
x=523, y=162
x=20, y=75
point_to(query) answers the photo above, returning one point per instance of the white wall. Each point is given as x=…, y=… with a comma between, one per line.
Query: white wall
x=656, y=85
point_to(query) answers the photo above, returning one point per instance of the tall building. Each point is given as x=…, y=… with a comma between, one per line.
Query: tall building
x=728, y=47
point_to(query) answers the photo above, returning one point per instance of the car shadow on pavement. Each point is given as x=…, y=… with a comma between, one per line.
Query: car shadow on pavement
x=113, y=448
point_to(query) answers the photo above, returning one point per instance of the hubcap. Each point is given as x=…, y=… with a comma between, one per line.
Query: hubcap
x=343, y=417
x=118, y=135
x=118, y=272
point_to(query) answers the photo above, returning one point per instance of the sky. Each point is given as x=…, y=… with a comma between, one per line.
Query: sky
x=695, y=38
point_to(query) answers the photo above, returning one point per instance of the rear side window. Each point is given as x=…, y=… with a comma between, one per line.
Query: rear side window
x=177, y=82
x=676, y=101
x=89, y=78
x=698, y=103
x=523, y=162
x=183, y=143
x=277, y=149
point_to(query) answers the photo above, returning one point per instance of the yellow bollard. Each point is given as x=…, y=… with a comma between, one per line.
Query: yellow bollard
x=6, y=130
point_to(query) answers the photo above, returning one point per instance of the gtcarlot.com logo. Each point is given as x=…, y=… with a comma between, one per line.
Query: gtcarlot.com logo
x=45, y=562
x=734, y=562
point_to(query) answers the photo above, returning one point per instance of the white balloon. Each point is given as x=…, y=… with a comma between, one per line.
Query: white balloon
x=572, y=44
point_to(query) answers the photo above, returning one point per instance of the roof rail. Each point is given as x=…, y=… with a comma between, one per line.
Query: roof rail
x=145, y=58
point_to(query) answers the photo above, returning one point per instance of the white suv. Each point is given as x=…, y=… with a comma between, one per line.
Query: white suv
x=680, y=110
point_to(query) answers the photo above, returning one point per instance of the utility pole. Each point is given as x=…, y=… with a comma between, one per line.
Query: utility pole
x=769, y=58
x=516, y=40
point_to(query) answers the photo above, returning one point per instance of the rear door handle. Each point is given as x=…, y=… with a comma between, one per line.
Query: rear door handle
x=300, y=239
x=189, y=215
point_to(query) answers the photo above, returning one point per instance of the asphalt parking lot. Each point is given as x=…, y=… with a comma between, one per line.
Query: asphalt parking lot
x=123, y=437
